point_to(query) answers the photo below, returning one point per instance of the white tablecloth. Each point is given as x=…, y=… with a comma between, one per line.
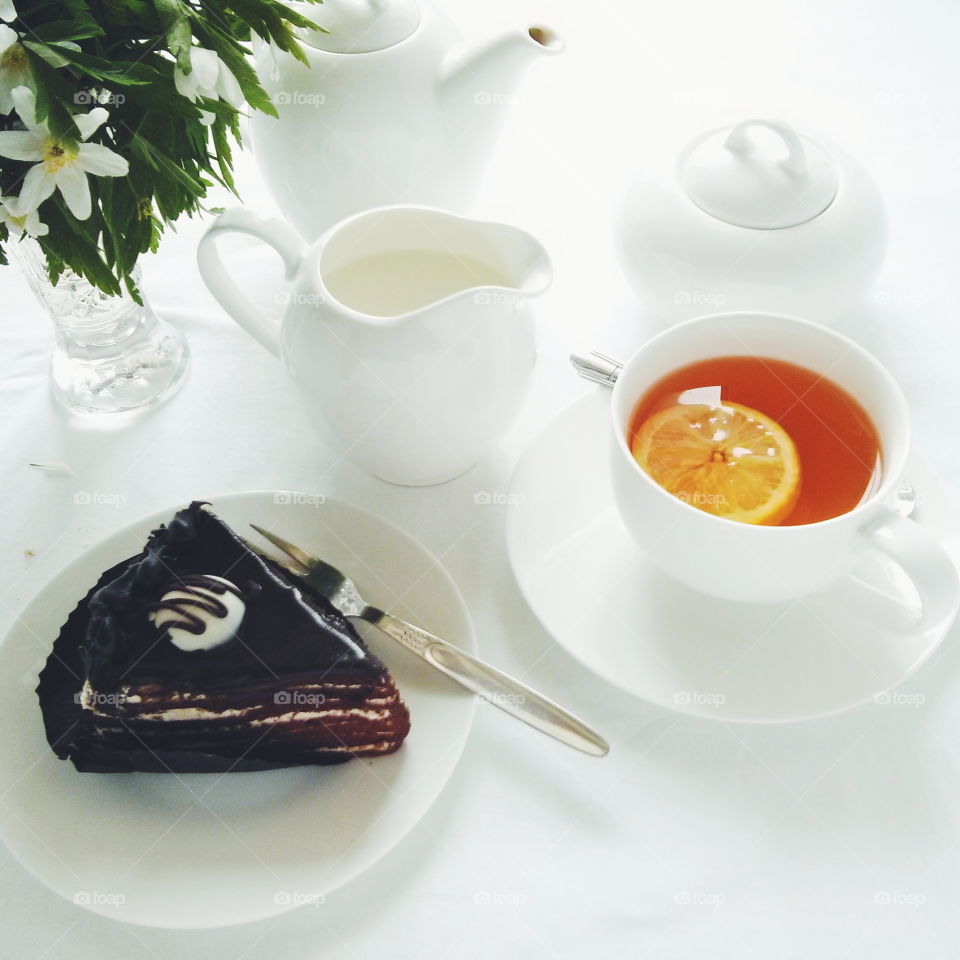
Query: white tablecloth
x=837, y=838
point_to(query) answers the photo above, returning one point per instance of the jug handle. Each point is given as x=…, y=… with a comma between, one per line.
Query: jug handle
x=272, y=231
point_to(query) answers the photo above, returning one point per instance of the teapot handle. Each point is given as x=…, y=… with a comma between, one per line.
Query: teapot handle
x=279, y=235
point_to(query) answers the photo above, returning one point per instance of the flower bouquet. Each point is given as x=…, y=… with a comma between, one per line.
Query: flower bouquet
x=116, y=118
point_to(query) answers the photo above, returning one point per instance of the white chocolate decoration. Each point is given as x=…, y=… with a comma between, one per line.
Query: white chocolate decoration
x=200, y=613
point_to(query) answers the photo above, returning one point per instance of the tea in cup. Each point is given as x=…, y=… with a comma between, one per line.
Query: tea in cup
x=755, y=458
x=757, y=440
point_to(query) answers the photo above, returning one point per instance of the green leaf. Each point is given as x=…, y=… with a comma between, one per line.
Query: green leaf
x=49, y=53
x=60, y=30
x=165, y=164
x=123, y=73
x=53, y=90
x=175, y=16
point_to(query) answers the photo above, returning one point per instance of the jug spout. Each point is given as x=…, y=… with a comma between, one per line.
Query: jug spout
x=479, y=82
x=525, y=265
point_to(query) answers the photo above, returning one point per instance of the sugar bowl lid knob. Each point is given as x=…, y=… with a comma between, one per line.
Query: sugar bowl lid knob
x=760, y=174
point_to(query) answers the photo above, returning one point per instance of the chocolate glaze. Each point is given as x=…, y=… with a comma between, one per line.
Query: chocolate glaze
x=290, y=638
x=288, y=627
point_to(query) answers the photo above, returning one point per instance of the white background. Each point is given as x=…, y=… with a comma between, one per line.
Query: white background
x=835, y=839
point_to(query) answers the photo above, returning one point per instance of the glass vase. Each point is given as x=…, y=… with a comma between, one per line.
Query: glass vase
x=112, y=354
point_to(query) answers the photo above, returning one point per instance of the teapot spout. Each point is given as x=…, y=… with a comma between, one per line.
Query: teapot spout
x=479, y=82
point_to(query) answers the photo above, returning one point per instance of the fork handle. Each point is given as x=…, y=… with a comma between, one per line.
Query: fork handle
x=496, y=687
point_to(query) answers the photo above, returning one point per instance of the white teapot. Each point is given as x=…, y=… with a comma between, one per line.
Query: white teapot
x=754, y=217
x=408, y=331
x=390, y=108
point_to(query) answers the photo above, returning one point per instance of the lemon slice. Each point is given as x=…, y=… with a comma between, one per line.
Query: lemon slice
x=727, y=460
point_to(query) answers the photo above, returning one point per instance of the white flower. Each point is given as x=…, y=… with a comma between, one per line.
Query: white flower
x=19, y=220
x=8, y=11
x=210, y=78
x=60, y=166
x=14, y=67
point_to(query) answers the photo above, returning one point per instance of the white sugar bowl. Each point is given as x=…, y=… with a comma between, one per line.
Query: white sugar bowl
x=753, y=217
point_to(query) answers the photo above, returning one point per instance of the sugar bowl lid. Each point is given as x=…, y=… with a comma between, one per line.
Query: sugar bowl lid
x=360, y=26
x=759, y=174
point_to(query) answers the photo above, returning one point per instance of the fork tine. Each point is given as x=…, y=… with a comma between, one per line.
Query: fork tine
x=305, y=559
x=288, y=564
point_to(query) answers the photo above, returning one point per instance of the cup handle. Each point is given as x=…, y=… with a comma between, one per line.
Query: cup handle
x=928, y=565
x=277, y=234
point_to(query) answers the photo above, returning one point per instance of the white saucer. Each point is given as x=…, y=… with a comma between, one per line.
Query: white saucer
x=205, y=850
x=593, y=590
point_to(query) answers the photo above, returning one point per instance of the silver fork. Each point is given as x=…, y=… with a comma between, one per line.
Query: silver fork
x=496, y=687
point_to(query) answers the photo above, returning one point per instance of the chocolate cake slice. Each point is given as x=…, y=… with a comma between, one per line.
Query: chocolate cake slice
x=199, y=655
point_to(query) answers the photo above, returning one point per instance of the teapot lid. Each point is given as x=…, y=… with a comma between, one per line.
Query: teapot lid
x=746, y=181
x=360, y=26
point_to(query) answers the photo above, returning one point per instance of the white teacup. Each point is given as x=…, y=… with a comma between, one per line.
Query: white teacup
x=747, y=562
